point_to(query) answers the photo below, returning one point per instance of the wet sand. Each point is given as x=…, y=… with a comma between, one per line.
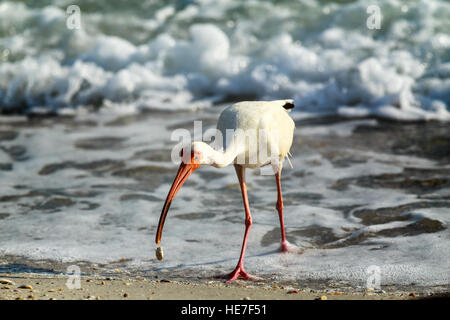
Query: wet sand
x=28, y=286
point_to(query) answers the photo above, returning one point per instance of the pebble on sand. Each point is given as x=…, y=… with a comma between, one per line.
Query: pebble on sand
x=26, y=286
x=5, y=281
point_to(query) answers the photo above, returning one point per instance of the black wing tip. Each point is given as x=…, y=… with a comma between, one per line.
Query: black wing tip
x=288, y=106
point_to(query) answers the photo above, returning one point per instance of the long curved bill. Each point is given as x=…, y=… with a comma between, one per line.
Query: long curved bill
x=183, y=173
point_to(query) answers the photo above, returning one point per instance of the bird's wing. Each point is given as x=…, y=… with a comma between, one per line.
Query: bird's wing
x=280, y=129
x=288, y=156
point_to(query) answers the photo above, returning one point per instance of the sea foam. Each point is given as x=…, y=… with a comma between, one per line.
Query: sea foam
x=172, y=58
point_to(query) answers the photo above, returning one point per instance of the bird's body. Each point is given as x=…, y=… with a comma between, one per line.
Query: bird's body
x=264, y=123
x=253, y=134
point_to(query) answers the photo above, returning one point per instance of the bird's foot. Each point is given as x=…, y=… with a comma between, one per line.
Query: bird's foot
x=285, y=247
x=238, y=272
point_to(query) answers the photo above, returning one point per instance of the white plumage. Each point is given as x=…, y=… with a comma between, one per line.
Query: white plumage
x=252, y=131
x=268, y=120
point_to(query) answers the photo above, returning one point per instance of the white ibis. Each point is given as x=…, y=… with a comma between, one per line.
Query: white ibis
x=274, y=130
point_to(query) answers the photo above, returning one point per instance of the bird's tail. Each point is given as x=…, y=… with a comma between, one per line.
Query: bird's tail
x=289, y=105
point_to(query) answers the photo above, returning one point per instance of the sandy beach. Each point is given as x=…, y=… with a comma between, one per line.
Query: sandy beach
x=28, y=286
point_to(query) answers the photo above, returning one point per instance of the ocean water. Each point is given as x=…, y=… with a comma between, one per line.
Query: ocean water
x=193, y=54
x=369, y=187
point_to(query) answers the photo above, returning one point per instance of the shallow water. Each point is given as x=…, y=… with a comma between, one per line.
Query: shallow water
x=89, y=191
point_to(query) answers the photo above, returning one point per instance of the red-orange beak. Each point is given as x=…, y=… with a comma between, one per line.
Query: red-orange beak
x=183, y=173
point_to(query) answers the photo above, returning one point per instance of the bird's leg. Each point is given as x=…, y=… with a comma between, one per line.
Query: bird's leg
x=279, y=206
x=239, y=270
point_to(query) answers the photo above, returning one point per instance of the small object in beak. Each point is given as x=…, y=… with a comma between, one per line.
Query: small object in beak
x=159, y=253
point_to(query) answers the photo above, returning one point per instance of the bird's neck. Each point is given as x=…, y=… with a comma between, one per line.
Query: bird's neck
x=224, y=158
x=221, y=159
